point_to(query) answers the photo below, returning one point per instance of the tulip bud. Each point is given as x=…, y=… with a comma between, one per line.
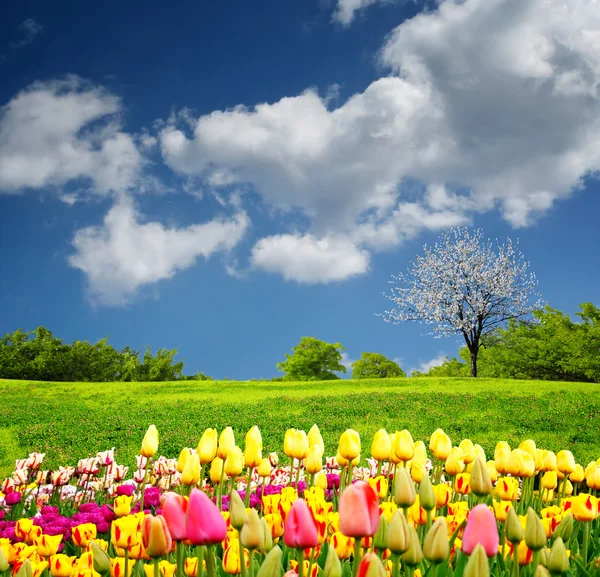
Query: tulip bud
x=251, y=534
x=183, y=456
x=512, y=528
x=264, y=468
x=207, y=446
x=398, y=533
x=150, y=442
x=226, y=443
x=371, y=566
x=380, y=538
x=234, y=462
x=315, y=438
x=333, y=567
x=558, y=562
x=216, y=467
x=413, y=555
x=25, y=570
x=314, y=460
x=101, y=559
x=541, y=571
x=420, y=454
x=404, y=493
x=435, y=546
x=237, y=511
x=565, y=528
x=417, y=471
x=440, y=445
x=565, y=462
x=267, y=538
x=544, y=555
x=349, y=447
x=321, y=481
x=535, y=536
x=404, y=446
x=481, y=484
x=191, y=471
x=578, y=475
x=426, y=494
x=271, y=566
x=382, y=446
x=478, y=564
x=454, y=462
x=4, y=564
x=468, y=449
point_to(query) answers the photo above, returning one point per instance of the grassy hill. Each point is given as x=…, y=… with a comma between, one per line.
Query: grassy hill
x=68, y=421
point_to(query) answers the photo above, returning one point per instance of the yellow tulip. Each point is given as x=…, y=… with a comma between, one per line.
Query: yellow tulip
x=264, y=468
x=393, y=459
x=61, y=565
x=468, y=449
x=226, y=442
x=191, y=472
x=520, y=464
x=529, y=447
x=565, y=462
x=405, y=446
x=578, y=475
x=299, y=445
x=549, y=480
x=183, y=456
x=585, y=507
x=507, y=488
x=593, y=479
x=479, y=452
x=150, y=442
x=234, y=463
x=417, y=472
x=342, y=462
x=315, y=438
x=207, y=446
x=501, y=456
x=321, y=480
x=122, y=505
x=215, y=470
x=349, y=447
x=491, y=469
x=288, y=442
x=47, y=545
x=382, y=446
x=314, y=460
x=440, y=445
x=124, y=532
x=549, y=461
x=454, y=462
x=420, y=453
x=252, y=452
x=380, y=484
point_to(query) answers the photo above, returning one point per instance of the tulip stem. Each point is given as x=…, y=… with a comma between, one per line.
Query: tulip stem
x=300, y=562
x=200, y=557
x=379, y=464
x=156, y=567
x=311, y=561
x=356, y=559
x=243, y=560
x=220, y=500
x=247, y=495
x=396, y=569
x=536, y=560
x=210, y=561
x=291, y=483
x=586, y=538
x=178, y=558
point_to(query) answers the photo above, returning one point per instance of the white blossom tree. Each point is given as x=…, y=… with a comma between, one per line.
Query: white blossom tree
x=466, y=286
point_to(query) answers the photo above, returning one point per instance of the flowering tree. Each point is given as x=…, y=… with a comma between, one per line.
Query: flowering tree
x=464, y=286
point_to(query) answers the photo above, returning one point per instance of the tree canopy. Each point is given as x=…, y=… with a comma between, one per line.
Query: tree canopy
x=464, y=286
x=550, y=347
x=375, y=366
x=41, y=356
x=313, y=360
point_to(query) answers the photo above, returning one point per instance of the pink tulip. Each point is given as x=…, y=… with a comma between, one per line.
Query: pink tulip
x=359, y=510
x=204, y=523
x=300, y=528
x=481, y=528
x=173, y=510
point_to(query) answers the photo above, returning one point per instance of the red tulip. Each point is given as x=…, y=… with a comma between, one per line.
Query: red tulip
x=204, y=523
x=300, y=530
x=481, y=528
x=174, y=509
x=359, y=510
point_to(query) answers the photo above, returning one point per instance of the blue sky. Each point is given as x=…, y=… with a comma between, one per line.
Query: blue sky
x=227, y=177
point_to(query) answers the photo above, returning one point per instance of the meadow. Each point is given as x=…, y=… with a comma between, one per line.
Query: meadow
x=68, y=421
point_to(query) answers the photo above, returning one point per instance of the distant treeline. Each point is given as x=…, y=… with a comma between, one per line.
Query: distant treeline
x=550, y=347
x=40, y=356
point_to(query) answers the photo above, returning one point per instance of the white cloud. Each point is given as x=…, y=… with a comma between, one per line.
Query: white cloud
x=307, y=259
x=58, y=131
x=346, y=9
x=124, y=254
x=30, y=29
x=491, y=104
x=426, y=365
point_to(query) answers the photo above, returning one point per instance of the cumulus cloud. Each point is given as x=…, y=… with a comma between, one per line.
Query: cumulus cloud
x=62, y=130
x=124, y=254
x=306, y=259
x=490, y=104
x=346, y=9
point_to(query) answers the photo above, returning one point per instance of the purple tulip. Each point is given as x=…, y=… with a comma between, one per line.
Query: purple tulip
x=12, y=498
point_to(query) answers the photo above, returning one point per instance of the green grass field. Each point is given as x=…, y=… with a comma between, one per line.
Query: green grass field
x=68, y=421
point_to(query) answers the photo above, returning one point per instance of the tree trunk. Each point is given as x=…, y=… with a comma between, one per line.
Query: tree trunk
x=474, y=362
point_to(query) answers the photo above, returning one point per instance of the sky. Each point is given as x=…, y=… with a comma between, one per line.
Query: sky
x=227, y=177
